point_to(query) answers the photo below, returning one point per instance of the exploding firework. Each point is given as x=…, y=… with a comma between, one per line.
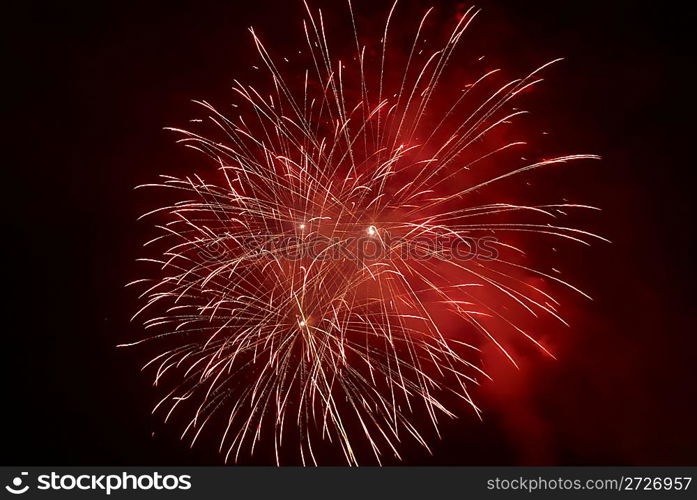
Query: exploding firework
x=332, y=278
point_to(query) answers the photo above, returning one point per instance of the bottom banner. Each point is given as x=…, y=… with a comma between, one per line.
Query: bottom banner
x=331, y=482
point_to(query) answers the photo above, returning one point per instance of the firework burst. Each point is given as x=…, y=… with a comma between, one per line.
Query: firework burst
x=304, y=290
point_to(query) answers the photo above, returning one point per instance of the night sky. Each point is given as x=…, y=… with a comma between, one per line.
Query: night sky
x=92, y=86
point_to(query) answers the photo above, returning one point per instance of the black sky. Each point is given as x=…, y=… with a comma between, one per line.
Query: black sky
x=91, y=87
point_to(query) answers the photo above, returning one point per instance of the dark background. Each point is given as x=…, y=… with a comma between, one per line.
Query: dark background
x=91, y=87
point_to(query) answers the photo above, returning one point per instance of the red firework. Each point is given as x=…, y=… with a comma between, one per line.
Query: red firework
x=332, y=278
